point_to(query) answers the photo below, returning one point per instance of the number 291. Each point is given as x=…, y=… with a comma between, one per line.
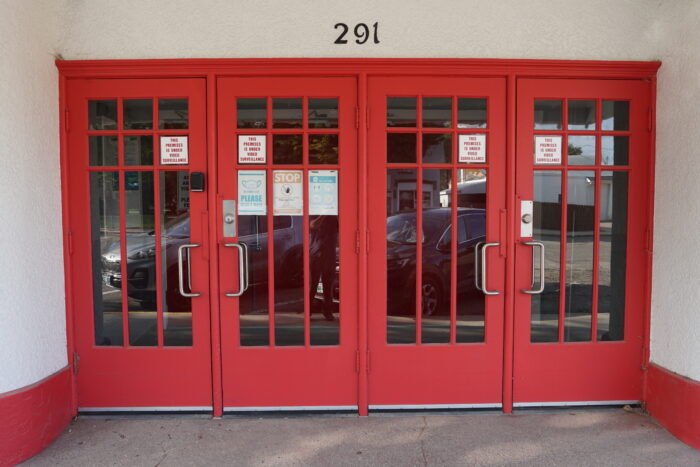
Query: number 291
x=361, y=31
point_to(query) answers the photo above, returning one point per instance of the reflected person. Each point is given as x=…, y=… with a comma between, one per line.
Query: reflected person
x=323, y=238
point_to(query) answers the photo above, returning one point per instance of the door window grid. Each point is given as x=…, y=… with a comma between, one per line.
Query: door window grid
x=142, y=294
x=303, y=142
x=614, y=124
x=404, y=118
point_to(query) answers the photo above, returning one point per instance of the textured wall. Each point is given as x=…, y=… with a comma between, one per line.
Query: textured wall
x=32, y=307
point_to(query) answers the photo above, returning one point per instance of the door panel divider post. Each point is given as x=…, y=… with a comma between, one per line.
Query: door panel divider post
x=509, y=308
x=362, y=325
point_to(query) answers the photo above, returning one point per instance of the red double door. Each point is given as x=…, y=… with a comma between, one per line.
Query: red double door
x=297, y=248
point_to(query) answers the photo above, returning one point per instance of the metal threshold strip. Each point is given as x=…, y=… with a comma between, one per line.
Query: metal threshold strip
x=87, y=410
x=436, y=406
x=574, y=403
x=293, y=408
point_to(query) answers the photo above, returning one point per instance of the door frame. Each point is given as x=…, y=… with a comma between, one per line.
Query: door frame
x=211, y=69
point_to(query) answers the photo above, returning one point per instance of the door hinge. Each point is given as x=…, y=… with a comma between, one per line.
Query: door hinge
x=650, y=121
x=357, y=242
x=357, y=118
x=66, y=119
x=70, y=242
x=76, y=363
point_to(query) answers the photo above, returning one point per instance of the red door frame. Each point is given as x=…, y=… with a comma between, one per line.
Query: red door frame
x=210, y=69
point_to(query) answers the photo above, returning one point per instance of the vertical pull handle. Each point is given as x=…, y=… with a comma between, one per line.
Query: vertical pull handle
x=181, y=273
x=483, y=269
x=243, y=280
x=539, y=289
x=477, y=284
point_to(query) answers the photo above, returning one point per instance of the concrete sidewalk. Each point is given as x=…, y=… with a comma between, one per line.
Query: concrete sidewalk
x=571, y=437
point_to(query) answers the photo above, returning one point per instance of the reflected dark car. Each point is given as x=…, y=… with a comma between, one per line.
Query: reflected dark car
x=437, y=234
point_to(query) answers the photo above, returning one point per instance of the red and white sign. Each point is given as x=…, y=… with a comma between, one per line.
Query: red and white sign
x=251, y=149
x=472, y=149
x=174, y=150
x=288, y=193
x=547, y=149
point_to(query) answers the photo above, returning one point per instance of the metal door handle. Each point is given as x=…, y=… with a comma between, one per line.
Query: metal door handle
x=540, y=289
x=180, y=272
x=483, y=269
x=476, y=266
x=243, y=280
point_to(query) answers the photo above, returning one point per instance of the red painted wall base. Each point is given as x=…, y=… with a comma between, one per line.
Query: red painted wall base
x=674, y=400
x=33, y=416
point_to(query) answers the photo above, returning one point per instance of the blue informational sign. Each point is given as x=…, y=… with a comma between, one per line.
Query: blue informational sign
x=252, y=193
x=323, y=192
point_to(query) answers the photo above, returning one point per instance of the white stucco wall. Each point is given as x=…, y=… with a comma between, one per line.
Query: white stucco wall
x=32, y=307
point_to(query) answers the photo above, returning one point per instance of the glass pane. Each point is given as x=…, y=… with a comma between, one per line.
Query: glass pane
x=401, y=147
x=102, y=115
x=138, y=150
x=437, y=259
x=401, y=256
x=172, y=114
x=581, y=115
x=104, y=150
x=616, y=115
x=138, y=114
x=401, y=111
x=141, y=258
x=175, y=232
x=471, y=113
x=253, y=304
x=612, y=256
x=471, y=224
x=437, y=112
x=287, y=149
x=286, y=113
x=323, y=149
x=251, y=113
x=581, y=150
x=324, y=295
x=323, y=113
x=546, y=229
x=579, y=256
x=437, y=148
x=106, y=258
x=615, y=150
x=289, y=282
x=547, y=115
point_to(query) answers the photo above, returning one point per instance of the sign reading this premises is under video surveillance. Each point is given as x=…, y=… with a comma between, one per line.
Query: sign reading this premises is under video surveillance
x=173, y=150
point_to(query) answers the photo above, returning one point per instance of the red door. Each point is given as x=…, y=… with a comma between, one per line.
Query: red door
x=582, y=187
x=287, y=222
x=142, y=323
x=436, y=305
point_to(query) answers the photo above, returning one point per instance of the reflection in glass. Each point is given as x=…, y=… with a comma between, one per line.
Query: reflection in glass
x=106, y=258
x=546, y=229
x=401, y=111
x=471, y=225
x=547, y=115
x=138, y=150
x=323, y=113
x=104, y=150
x=323, y=149
x=401, y=256
x=437, y=148
x=173, y=114
x=612, y=256
x=286, y=149
x=616, y=115
x=175, y=232
x=251, y=113
x=437, y=112
x=471, y=113
x=324, y=295
x=138, y=114
x=286, y=113
x=253, y=304
x=579, y=255
x=437, y=259
x=615, y=150
x=401, y=147
x=289, y=282
x=581, y=115
x=141, y=258
x=581, y=150
x=102, y=115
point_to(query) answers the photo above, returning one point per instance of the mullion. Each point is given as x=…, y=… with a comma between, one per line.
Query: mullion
x=159, y=252
x=419, y=222
x=453, y=241
x=305, y=222
x=564, y=222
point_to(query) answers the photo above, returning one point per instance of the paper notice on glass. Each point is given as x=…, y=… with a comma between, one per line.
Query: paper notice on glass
x=472, y=149
x=288, y=193
x=173, y=150
x=252, y=194
x=547, y=149
x=323, y=192
x=251, y=149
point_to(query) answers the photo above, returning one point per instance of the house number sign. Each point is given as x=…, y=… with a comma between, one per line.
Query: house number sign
x=361, y=31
